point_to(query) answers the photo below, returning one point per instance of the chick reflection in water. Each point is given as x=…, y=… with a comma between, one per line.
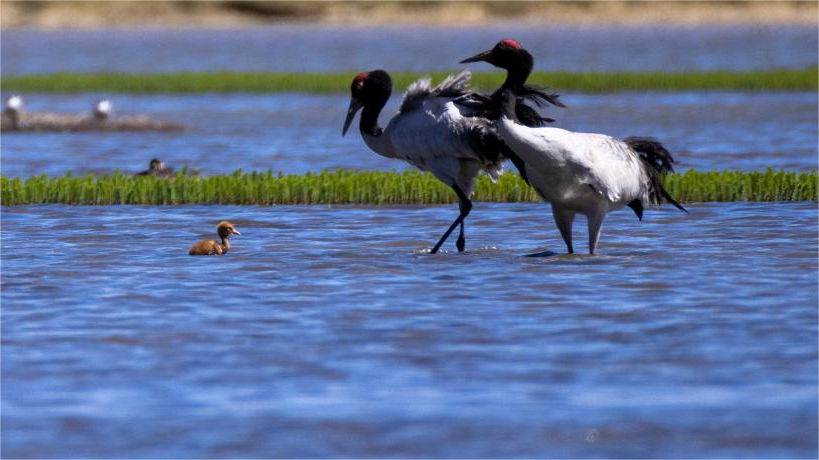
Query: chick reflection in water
x=213, y=247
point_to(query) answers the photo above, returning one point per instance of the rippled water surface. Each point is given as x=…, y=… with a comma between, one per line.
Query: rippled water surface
x=327, y=332
x=330, y=332
x=300, y=132
x=333, y=48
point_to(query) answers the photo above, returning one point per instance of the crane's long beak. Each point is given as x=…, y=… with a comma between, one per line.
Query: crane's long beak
x=478, y=57
x=355, y=106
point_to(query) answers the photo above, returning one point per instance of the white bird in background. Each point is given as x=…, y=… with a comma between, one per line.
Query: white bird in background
x=103, y=109
x=430, y=132
x=591, y=174
x=14, y=107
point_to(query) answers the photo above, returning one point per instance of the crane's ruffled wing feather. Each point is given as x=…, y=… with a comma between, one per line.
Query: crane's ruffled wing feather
x=489, y=106
x=539, y=96
x=453, y=86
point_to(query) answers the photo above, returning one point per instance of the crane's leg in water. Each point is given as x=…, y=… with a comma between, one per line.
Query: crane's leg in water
x=595, y=223
x=564, y=219
x=465, y=207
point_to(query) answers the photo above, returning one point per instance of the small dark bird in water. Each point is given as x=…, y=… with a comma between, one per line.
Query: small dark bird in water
x=103, y=110
x=156, y=168
x=213, y=247
x=14, y=107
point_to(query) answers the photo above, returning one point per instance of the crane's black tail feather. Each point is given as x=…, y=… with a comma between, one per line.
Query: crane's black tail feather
x=637, y=206
x=658, y=161
x=672, y=200
x=657, y=193
x=653, y=152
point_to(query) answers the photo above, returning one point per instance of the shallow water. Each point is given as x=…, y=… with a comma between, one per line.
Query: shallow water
x=296, y=133
x=326, y=332
x=317, y=48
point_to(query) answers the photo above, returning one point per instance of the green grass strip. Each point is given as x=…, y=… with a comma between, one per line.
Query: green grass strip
x=367, y=187
x=339, y=82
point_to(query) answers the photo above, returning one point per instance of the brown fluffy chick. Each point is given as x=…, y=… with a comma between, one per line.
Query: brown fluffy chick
x=213, y=247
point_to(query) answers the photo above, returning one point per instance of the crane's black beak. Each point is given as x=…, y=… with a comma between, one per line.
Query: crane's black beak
x=355, y=106
x=478, y=57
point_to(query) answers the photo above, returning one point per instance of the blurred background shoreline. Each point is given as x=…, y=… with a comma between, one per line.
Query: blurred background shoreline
x=226, y=14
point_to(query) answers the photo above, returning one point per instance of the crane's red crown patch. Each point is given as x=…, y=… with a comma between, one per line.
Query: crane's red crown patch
x=511, y=43
x=358, y=81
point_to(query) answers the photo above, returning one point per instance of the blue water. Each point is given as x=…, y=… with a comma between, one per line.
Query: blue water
x=296, y=133
x=326, y=332
x=319, y=48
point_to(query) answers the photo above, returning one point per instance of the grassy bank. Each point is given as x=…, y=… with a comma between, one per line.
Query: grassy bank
x=339, y=82
x=367, y=187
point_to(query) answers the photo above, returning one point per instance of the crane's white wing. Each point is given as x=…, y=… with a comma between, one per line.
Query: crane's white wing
x=566, y=160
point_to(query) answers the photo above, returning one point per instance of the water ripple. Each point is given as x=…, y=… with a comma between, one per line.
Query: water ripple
x=696, y=333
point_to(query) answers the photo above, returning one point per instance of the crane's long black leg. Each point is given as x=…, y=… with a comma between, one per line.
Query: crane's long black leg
x=461, y=242
x=465, y=207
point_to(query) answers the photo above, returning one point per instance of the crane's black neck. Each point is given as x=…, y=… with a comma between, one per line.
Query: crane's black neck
x=518, y=72
x=374, y=96
x=369, y=119
x=516, y=75
x=506, y=100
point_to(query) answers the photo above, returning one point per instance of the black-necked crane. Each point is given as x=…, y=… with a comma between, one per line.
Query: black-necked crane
x=510, y=55
x=431, y=133
x=586, y=173
x=13, y=110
